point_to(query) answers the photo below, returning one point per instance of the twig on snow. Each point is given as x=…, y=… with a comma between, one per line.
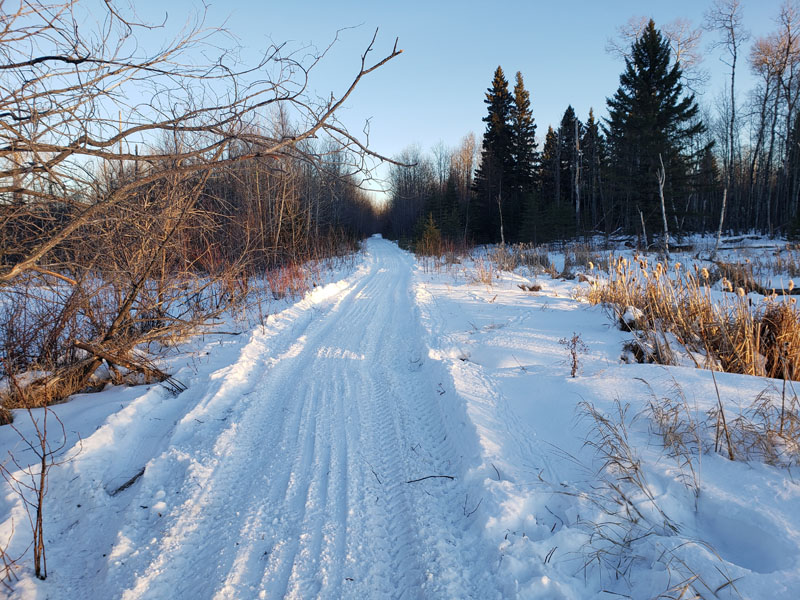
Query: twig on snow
x=431, y=477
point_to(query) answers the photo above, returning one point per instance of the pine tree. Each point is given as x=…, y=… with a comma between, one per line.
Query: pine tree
x=650, y=121
x=494, y=177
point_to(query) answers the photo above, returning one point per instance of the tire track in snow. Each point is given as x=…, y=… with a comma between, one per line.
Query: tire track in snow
x=302, y=491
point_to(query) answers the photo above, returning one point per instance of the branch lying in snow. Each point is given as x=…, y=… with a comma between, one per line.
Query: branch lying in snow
x=128, y=483
x=175, y=386
x=431, y=477
x=122, y=361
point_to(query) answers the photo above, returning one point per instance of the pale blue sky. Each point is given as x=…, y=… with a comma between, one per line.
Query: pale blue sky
x=434, y=91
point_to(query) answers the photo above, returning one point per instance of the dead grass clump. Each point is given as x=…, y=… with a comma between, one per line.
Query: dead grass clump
x=510, y=257
x=783, y=261
x=680, y=433
x=536, y=258
x=624, y=524
x=505, y=258
x=789, y=264
x=742, y=336
x=484, y=272
x=629, y=512
x=610, y=440
x=767, y=431
x=585, y=257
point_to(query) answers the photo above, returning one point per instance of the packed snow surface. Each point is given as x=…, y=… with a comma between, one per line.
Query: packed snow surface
x=402, y=433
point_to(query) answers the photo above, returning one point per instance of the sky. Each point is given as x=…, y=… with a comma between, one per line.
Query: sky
x=434, y=91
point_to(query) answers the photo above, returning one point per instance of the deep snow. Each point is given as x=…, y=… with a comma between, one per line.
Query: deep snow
x=298, y=462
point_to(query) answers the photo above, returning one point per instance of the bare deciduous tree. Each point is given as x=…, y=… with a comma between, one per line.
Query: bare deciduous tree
x=108, y=159
x=725, y=16
x=683, y=38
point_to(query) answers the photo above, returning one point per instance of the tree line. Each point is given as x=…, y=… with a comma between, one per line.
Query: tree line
x=658, y=164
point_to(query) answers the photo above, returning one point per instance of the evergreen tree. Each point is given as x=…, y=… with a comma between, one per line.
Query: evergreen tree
x=523, y=142
x=553, y=214
x=494, y=177
x=709, y=194
x=569, y=135
x=650, y=121
x=550, y=169
x=594, y=160
x=445, y=210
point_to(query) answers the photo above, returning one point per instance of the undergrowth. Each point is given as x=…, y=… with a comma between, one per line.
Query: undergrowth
x=737, y=332
x=629, y=526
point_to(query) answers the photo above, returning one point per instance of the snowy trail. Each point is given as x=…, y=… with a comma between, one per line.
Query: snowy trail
x=299, y=486
x=306, y=460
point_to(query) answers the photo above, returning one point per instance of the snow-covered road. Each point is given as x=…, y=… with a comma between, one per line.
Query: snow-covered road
x=407, y=431
x=293, y=476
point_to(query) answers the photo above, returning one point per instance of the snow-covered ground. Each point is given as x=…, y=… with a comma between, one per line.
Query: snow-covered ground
x=407, y=433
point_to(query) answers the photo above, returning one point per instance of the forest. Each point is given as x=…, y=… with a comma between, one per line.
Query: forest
x=659, y=164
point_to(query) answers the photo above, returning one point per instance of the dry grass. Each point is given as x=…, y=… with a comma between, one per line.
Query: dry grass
x=741, y=335
x=731, y=333
x=680, y=433
x=768, y=430
x=511, y=257
x=585, y=257
x=484, y=272
x=630, y=512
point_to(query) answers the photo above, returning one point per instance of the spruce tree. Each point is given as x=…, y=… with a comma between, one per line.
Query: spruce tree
x=650, y=121
x=550, y=170
x=523, y=139
x=554, y=215
x=569, y=135
x=594, y=161
x=494, y=177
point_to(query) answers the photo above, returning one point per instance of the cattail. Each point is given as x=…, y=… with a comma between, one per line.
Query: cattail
x=591, y=266
x=791, y=284
x=704, y=273
x=740, y=292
